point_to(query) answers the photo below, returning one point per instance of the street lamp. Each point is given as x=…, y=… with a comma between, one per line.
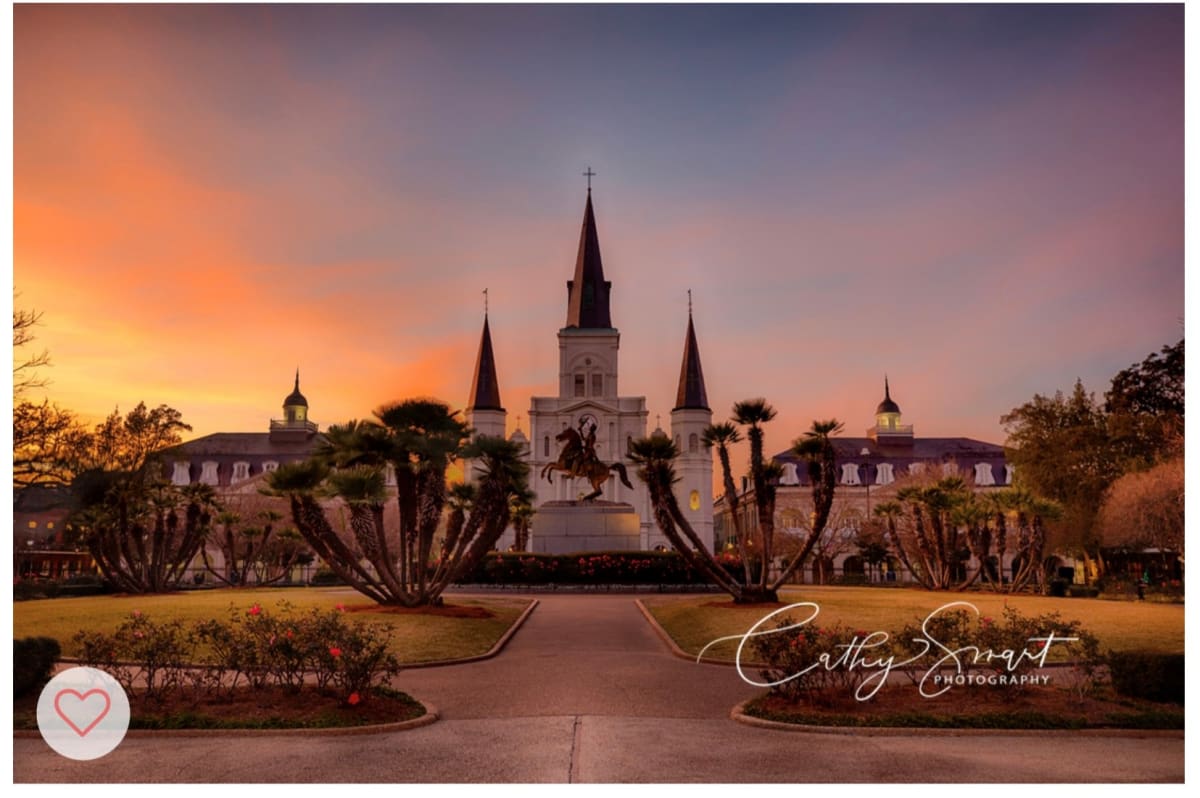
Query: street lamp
x=866, y=455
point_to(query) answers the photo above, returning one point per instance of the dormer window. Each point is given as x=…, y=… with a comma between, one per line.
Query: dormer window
x=1009, y=471
x=208, y=473
x=884, y=475
x=949, y=469
x=850, y=474
x=983, y=474
x=241, y=471
x=916, y=469
x=182, y=474
x=269, y=465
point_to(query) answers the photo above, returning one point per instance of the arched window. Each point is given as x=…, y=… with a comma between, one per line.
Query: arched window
x=693, y=443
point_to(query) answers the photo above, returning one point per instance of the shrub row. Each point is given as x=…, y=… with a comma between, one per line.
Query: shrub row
x=1144, y=674
x=606, y=567
x=85, y=585
x=253, y=648
x=33, y=662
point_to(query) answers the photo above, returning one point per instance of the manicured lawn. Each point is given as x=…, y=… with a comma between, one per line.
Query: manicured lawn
x=1119, y=625
x=415, y=637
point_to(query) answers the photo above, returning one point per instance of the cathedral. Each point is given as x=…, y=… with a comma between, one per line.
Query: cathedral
x=589, y=402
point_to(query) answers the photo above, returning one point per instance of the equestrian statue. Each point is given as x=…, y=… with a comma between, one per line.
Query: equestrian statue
x=578, y=459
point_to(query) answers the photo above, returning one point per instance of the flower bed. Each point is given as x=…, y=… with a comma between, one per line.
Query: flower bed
x=315, y=657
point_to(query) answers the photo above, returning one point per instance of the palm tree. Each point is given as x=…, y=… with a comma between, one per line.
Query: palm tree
x=815, y=448
x=656, y=457
x=418, y=439
x=722, y=436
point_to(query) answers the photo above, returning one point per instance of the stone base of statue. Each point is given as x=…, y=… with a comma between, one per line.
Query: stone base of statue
x=566, y=527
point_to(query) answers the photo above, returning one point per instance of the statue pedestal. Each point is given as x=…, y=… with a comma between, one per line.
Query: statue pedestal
x=566, y=527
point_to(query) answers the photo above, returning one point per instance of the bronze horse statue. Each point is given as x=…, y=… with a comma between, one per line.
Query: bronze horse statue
x=578, y=459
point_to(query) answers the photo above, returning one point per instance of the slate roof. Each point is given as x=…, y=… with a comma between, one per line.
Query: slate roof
x=935, y=451
x=243, y=443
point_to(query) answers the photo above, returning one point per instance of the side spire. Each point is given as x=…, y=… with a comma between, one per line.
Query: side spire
x=485, y=389
x=587, y=293
x=691, y=394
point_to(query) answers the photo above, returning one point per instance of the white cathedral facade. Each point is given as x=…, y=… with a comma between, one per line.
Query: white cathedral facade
x=589, y=398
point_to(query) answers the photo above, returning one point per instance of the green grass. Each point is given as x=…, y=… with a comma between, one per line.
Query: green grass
x=1120, y=626
x=414, y=638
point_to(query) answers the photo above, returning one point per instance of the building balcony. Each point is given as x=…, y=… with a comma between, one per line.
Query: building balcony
x=280, y=425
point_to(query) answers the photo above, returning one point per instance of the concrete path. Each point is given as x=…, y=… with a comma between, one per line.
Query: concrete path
x=586, y=692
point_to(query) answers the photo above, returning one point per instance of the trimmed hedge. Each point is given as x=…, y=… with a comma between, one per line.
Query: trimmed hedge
x=83, y=585
x=587, y=568
x=33, y=660
x=1146, y=674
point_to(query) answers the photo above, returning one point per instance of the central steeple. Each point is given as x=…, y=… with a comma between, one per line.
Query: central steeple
x=587, y=294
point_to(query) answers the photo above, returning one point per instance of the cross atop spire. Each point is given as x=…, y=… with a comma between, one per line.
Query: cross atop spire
x=587, y=294
x=589, y=174
x=485, y=388
x=691, y=394
x=485, y=303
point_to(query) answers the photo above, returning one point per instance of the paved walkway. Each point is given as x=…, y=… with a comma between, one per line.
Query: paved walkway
x=587, y=692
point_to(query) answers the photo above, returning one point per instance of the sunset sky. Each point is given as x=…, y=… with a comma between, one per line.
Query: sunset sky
x=982, y=202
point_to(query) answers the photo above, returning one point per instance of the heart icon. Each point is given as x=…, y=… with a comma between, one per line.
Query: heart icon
x=81, y=709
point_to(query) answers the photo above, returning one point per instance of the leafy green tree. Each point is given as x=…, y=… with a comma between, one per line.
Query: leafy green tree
x=417, y=439
x=1062, y=450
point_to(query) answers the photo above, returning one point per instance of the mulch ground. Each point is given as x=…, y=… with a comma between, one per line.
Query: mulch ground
x=732, y=605
x=267, y=708
x=971, y=706
x=445, y=611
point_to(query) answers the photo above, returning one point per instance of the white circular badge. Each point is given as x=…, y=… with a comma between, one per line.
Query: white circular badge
x=83, y=713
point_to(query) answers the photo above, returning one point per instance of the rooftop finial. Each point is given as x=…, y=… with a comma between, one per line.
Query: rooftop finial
x=589, y=174
x=485, y=303
x=887, y=393
x=297, y=378
x=689, y=303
